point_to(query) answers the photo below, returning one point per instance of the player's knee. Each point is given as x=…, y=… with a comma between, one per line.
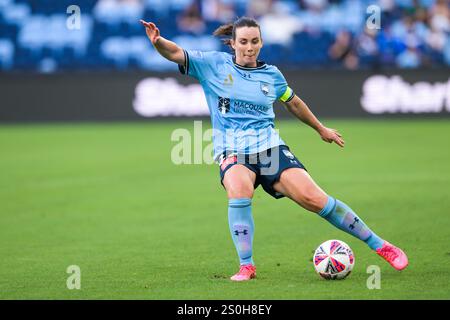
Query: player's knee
x=240, y=191
x=313, y=201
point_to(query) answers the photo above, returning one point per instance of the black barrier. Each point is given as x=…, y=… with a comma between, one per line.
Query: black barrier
x=142, y=96
x=221, y=309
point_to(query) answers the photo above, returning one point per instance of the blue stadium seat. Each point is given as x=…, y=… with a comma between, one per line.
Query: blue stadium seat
x=273, y=53
x=25, y=59
x=9, y=31
x=6, y=54
x=203, y=43
x=115, y=49
x=16, y=13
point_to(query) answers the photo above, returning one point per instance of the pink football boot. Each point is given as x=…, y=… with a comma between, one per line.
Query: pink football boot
x=246, y=272
x=395, y=256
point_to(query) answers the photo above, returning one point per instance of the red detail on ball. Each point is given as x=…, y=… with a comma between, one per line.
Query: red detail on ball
x=318, y=259
x=339, y=266
x=334, y=246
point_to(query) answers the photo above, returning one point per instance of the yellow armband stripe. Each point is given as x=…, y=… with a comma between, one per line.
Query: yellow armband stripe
x=287, y=95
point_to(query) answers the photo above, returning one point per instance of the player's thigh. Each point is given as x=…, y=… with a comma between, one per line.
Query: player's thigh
x=297, y=184
x=239, y=182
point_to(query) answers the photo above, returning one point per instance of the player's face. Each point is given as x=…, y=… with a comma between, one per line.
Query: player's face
x=247, y=45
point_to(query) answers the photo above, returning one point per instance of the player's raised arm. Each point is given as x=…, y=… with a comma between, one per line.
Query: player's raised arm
x=299, y=108
x=168, y=49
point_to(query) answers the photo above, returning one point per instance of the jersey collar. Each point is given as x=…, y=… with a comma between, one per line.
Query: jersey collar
x=259, y=65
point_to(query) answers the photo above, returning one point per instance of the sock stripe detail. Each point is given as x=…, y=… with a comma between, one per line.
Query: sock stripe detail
x=329, y=207
x=239, y=203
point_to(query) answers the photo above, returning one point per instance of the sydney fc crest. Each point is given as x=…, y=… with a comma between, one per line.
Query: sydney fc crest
x=288, y=154
x=224, y=105
x=265, y=88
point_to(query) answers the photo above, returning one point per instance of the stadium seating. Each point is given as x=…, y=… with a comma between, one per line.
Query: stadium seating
x=32, y=33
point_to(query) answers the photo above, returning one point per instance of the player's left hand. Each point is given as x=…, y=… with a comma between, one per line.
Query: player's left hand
x=331, y=135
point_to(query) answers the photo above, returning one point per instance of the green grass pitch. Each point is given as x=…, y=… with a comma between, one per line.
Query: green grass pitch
x=107, y=198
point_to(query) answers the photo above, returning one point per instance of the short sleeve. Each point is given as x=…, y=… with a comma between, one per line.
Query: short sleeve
x=283, y=91
x=199, y=64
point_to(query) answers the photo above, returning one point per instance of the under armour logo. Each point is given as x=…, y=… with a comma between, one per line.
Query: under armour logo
x=352, y=226
x=244, y=232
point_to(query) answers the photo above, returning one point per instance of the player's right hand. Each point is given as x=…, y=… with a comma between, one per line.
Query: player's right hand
x=151, y=30
x=331, y=135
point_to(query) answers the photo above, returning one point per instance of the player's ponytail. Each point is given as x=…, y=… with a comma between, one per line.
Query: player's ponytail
x=228, y=31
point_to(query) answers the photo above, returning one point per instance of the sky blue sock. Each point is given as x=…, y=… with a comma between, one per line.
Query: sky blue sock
x=241, y=225
x=342, y=216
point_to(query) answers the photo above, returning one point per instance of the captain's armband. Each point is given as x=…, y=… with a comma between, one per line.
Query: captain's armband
x=288, y=95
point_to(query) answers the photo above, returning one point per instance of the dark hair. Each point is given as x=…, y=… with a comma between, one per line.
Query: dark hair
x=229, y=30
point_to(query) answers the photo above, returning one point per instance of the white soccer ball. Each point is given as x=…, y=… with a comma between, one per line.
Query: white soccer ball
x=333, y=260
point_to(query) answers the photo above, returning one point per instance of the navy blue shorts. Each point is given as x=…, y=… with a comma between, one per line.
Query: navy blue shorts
x=267, y=165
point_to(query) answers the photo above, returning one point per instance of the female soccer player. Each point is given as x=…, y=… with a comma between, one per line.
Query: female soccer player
x=240, y=92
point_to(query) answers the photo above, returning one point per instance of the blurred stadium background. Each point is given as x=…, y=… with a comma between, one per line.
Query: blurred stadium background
x=106, y=196
x=51, y=50
x=298, y=33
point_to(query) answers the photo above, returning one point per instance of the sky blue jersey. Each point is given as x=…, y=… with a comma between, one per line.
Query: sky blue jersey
x=240, y=100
